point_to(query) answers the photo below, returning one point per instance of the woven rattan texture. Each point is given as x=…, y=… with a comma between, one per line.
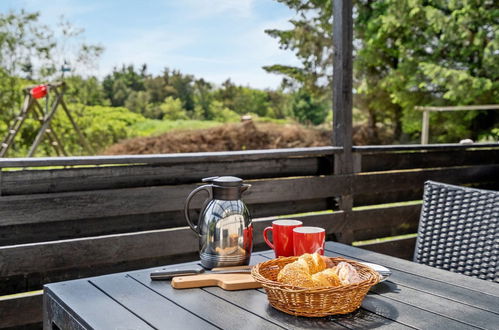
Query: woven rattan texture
x=459, y=230
x=313, y=302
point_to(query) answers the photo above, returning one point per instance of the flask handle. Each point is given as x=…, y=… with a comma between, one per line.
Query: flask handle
x=206, y=187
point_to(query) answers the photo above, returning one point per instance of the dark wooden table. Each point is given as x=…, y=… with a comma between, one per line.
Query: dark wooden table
x=415, y=296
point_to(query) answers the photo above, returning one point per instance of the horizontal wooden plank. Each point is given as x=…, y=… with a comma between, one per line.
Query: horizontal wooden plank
x=460, y=108
x=380, y=183
x=113, y=177
x=93, y=251
x=21, y=310
x=90, y=256
x=37, y=208
x=42, y=263
x=415, y=194
x=373, y=198
x=382, y=222
x=57, y=230
x=185, y=158
x=28, y=266
x=400, y=248
x=414, y=147
x=427, y=159
x=223, y=156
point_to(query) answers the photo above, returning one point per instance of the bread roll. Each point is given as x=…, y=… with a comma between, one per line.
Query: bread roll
x=326, y=278
x=314, y=261
x=346, y=273
x=299, y=273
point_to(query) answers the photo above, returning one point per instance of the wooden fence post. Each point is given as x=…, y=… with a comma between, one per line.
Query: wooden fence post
x=425, y=130
x=342, y=91
x=342, y=104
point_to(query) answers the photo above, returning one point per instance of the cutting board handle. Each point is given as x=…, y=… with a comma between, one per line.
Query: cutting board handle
x=225, y=281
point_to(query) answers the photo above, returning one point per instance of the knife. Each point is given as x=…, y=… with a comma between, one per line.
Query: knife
x=168, y=274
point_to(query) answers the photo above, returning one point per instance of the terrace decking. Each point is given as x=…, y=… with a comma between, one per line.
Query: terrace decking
x=98, y=215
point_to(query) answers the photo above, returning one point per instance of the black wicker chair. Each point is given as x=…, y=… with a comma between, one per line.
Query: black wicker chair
x=459, y=230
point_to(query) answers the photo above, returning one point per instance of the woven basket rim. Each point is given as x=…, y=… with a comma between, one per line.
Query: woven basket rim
x=373, y=277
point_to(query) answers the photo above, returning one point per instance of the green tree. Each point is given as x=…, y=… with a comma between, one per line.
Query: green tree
x=279, y=104
x=220, y=113
x=248, y=100
x=156, y=87
x=30, y=53
x=407, y=53
x=307, y=109
x=87, y=91
x=21, y=39
x=183, y=87
x=310, y=39
x=172, y=109
x=203, y=97
x=138, y=102
x=120, y=83
x=102, y=126
x=227, y=94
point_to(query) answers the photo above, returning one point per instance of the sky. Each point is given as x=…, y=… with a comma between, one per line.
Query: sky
x=211, y=39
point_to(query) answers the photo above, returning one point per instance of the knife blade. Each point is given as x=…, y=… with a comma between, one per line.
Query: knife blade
x=168, y=274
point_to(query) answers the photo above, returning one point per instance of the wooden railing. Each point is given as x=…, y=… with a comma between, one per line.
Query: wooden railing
x=66, y=218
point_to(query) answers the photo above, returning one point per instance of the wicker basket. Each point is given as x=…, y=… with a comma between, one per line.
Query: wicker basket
x=313, y=302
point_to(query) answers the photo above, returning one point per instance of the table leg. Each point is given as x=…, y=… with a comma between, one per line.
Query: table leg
x=56, y=317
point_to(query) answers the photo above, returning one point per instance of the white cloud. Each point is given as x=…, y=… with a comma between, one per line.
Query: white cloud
x=155, y=47
x=207, y=8
x=242, y=62
x=258, y=45
x=52, y=10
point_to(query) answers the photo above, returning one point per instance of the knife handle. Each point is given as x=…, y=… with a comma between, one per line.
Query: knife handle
x=160, y=275
x=221, y=269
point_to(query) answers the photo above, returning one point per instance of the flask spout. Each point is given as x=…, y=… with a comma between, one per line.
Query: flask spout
x=245, y=187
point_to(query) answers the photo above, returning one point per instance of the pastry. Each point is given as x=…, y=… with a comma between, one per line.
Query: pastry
x=301, y=272
x=346, y=273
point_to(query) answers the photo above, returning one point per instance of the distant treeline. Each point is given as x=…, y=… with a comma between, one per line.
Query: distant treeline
x=175, y=96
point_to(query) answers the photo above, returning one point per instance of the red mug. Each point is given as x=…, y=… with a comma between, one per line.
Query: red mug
x=308, y=240
x=282, y=235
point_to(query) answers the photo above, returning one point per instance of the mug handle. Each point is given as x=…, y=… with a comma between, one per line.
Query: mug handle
x=265, y=231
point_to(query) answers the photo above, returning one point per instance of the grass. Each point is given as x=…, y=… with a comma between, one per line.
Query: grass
x=21, y=294
x=383, y=239
x=152, y=127
x=380, y=206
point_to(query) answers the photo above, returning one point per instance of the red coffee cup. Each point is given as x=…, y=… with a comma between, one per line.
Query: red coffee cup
x=282, y=235
x=308, y=240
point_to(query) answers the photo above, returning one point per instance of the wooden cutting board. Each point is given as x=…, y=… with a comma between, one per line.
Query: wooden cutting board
x=225, y=281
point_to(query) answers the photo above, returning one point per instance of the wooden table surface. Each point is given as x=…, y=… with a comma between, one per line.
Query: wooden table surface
x=415, y=296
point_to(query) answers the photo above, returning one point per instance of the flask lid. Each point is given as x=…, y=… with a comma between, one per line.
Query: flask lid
x=225, y=181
